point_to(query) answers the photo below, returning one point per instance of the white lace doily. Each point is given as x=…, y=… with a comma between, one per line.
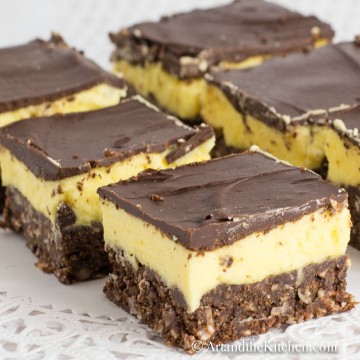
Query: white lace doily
x=29, y=330
x=43, y=319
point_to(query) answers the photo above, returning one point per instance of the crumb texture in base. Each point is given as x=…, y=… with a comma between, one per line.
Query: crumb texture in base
x=311, y=239
x=229, y=312
x=73, y=253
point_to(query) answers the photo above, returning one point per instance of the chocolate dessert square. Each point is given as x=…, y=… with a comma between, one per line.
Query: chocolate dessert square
x=227, y=248
x=303, y=109
x=52, y=166
x=166, y=60
x=342, y=149
x=43, y=78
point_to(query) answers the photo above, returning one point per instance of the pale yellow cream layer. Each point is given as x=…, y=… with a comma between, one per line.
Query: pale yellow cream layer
x=312, y=239
x=180, y=97
x=300, y=145
x=97, y=97
x=79, y=192
x=344, y=159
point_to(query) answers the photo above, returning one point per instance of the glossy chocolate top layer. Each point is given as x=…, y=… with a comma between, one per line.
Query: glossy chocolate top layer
x=45, y=71
x=299, y=87
x=232, y=32
x=213, y=204
x=61, y=146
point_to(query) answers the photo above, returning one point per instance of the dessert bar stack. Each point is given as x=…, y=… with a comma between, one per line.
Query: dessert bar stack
x=230, y=247
x=304, y=109
x=52, y=167
x=47, y=77
x=166, y=60
x=43, y=78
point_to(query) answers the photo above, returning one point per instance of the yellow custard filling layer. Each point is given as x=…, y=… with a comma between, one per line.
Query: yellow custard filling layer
x=97, y=97
x=79, y=192
x=300, y=145
x=180, y=97
x=292, y=246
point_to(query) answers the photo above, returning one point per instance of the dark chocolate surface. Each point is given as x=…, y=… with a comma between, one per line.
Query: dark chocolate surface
x=231, y=32
x=216, y=203
x=45, y=71
x=320, y=80
x=61, y=146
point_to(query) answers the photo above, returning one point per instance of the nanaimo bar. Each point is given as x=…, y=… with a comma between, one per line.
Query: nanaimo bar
x=52, y=166
x=166, y=60
x=42, y=78
x=303, y=109
x=218, y=250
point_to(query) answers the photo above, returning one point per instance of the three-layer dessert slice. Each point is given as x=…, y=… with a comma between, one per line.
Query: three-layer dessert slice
x=226, y=248
x=51, y=168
